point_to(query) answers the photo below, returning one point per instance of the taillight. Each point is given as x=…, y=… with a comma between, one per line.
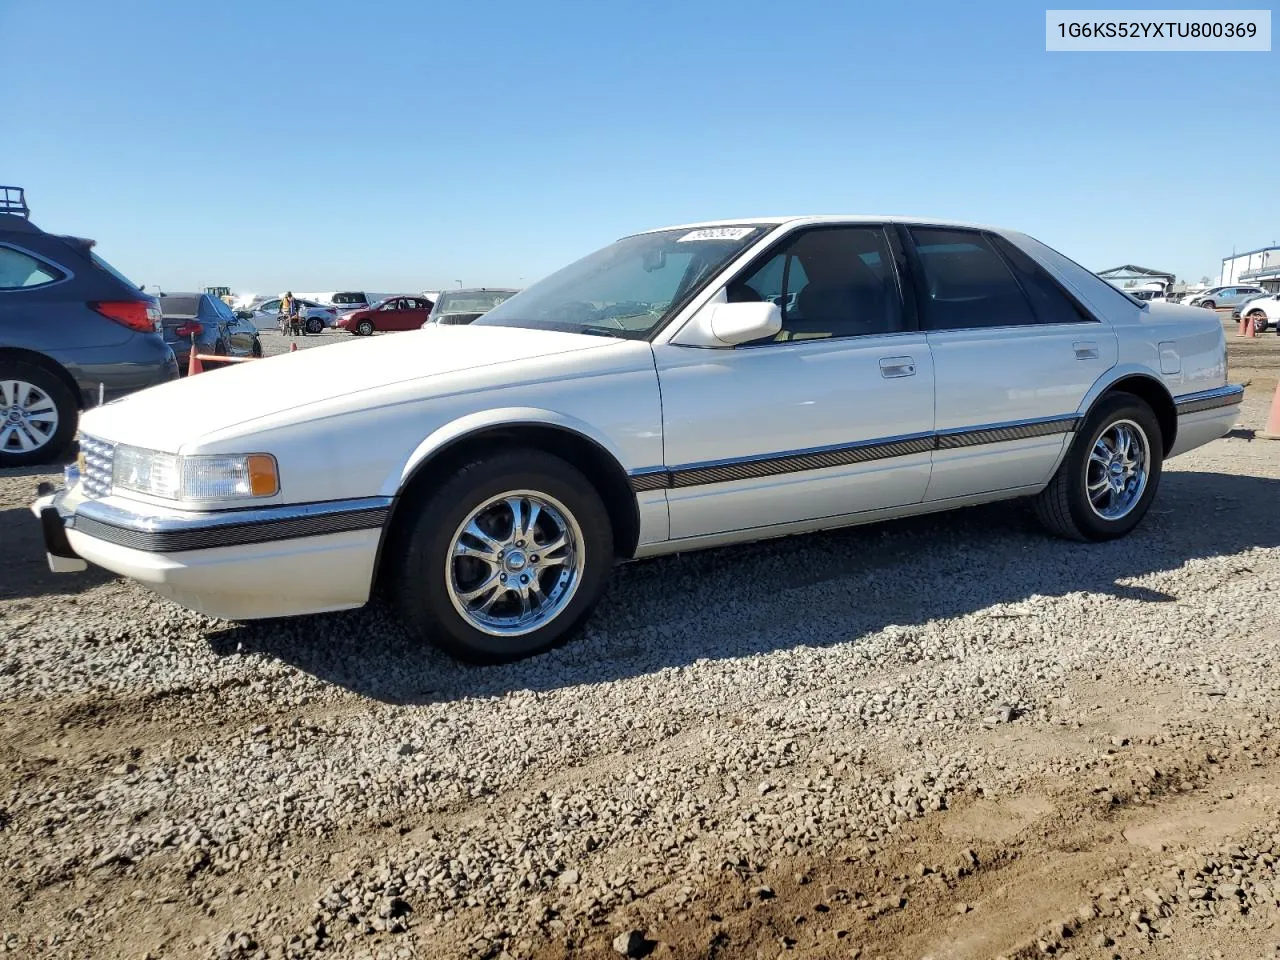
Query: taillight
x=139, y=315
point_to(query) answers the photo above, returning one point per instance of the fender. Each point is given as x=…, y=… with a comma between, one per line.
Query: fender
x=473, y=423
x=1104, y=383
x=1113, y=376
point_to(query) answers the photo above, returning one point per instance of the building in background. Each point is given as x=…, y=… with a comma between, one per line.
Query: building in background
x=1260, y=267
x=1130, y=277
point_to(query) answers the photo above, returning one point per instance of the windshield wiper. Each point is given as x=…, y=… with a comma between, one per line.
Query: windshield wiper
x=603, y=332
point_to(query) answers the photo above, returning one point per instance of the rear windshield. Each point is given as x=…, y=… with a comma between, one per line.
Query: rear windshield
x=99, y=262
x=180, y=306
x=339, y=298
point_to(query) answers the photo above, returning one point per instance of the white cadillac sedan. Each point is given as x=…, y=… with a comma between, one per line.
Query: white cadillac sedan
x=681, y=388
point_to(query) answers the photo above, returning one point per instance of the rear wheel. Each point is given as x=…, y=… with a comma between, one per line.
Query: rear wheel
x=504, y=559
x=1259, y=321
x=256, y=350
x=37, y=415
x=1107, y=481
x=365, y=328
x=315, y=325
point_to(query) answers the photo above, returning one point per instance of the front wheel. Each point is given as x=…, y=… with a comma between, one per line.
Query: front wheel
x=1259, y=321
x=365, y=328
x=1107, y=481
x=1209, y=305
x=504, y=559
x=37, y=415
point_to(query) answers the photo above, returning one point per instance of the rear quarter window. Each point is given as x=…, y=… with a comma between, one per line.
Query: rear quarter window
x=22, y=271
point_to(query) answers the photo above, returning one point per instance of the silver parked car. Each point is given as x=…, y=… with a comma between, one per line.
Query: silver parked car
x=1216, y=297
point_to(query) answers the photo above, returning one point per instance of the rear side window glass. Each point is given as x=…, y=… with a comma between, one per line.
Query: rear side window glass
x=967, y=283
x=19, y=271
x=1048, y=301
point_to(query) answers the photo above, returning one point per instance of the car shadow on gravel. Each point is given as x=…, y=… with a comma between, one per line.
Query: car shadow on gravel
x=814, y=591
x=24, y=571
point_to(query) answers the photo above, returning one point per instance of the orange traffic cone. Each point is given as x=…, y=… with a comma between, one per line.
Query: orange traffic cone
x=293, y=346
x=194, y=365
x=1272, y=429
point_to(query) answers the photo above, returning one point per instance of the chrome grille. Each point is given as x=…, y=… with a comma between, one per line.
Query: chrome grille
x=96, y=457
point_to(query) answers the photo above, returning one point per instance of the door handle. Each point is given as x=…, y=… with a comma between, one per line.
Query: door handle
x=1085, y=350
x=891, y=367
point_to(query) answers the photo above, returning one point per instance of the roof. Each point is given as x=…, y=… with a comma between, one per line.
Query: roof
x=826, y=218
x=1249, y=253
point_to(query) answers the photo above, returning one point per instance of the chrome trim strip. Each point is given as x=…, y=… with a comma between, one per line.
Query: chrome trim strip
x=794, y=461
x=1002, y=432
x=225, y=528
x=1226, y=396
x=818, y=458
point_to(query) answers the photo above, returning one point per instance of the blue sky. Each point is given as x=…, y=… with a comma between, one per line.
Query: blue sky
x=406, y=145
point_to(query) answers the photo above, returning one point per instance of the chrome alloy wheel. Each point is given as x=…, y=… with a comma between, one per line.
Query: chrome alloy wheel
x=28, y=417
x=1115, y=474
x=515, y=563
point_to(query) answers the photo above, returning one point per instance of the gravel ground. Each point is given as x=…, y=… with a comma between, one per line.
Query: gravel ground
x=947, y=737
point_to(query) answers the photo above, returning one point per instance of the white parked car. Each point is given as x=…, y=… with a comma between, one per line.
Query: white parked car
x=1264, y=312
x=681, y=388
x=266, y=316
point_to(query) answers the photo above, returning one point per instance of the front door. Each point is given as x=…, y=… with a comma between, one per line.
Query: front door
x=832, y=417
x=1013, y=358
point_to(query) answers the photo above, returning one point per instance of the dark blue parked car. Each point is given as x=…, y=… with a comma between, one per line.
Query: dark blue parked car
x=73, y=331
x=216, y=328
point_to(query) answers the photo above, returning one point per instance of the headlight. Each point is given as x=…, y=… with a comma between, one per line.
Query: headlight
x=172, y=477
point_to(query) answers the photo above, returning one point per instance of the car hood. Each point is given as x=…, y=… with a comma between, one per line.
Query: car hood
x=172, y=414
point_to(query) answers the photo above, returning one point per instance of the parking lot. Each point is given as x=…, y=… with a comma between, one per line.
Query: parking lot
x=949, y=737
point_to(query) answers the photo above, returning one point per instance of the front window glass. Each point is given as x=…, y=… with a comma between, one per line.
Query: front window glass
x=828, y=283
x=627, y=289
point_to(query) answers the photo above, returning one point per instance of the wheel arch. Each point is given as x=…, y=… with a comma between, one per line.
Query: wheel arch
x=1149, y=388
x=45, y=362
x=453, y=444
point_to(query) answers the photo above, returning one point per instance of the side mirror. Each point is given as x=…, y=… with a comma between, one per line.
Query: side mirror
x=720, y=324
x=244, y=314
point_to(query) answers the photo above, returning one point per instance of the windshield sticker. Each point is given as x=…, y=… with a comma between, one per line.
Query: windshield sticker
x=716, y=233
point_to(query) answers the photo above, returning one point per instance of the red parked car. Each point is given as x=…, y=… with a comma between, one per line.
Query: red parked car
x=393, y=313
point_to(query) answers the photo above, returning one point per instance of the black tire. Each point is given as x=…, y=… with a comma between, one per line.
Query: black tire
x=11, y=454
x=1063, y=506
x=315, y=325
x=419, y=590
x=1259, y=321
x=256, y=350
x=364, y=328
x=1209, y=305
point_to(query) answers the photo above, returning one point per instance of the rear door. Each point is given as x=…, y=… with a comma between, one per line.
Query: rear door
x=1013, y=356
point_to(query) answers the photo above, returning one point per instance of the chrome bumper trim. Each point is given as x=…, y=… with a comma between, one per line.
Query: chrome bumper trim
x=226, y=528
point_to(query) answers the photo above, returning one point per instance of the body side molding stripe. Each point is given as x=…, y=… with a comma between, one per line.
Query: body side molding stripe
x=1226, y=396
x=794, y=461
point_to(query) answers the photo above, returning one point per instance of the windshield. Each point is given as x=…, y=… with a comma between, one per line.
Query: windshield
x=628, y=288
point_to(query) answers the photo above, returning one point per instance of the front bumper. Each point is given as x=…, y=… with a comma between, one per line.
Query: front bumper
x=233, y=564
